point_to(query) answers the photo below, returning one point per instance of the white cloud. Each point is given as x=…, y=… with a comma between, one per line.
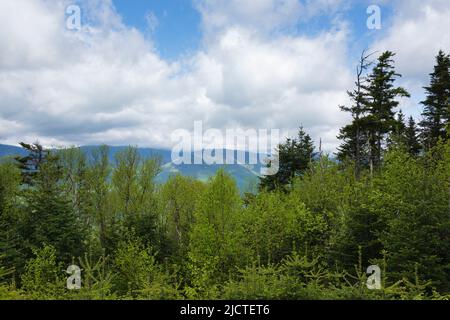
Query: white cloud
x=26, y=36
x=418, y=30
x=279, y=83
x=107, y=83
x=262, y=16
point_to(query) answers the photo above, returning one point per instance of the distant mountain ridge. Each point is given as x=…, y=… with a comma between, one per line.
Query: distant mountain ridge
x=7, y=150
x=246, y=176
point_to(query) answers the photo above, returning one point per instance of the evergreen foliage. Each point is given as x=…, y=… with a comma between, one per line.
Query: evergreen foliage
x=295, y=155
x=436, y=111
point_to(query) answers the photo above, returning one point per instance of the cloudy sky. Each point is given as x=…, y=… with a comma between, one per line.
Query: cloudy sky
x=138, y=70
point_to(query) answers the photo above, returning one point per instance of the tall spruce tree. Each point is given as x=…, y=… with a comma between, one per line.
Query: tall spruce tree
x=295, y=155
x=354, y=135
x=436, y=112
x=382, y=95
x=50, y=219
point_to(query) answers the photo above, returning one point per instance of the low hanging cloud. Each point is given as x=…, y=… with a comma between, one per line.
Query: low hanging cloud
x=107, y=84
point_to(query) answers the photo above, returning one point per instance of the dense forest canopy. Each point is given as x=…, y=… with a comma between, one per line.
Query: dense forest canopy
x=309, y=233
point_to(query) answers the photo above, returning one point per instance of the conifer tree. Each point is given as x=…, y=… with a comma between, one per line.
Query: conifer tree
x=30, y=164
x=411, y=134
x=397, y=136
x=436, y=112
x=295, y=155
x=382, y=95
x=50, y=219
x=416, y=215
x=400, y=125
x=354, y=135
